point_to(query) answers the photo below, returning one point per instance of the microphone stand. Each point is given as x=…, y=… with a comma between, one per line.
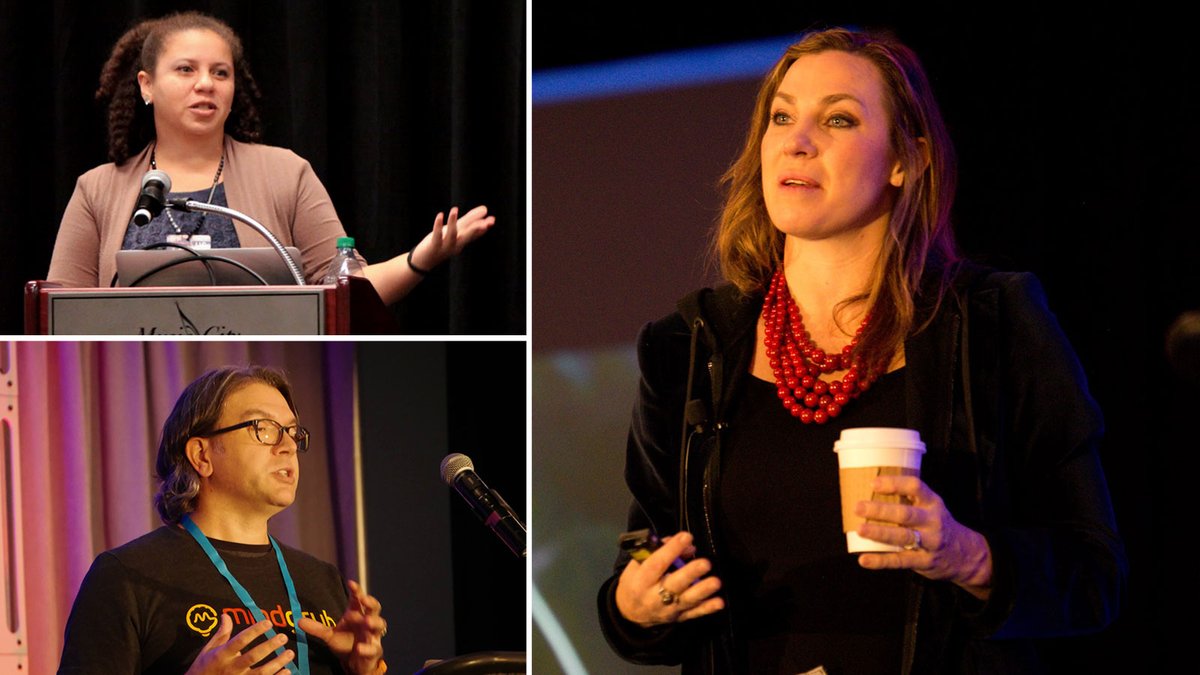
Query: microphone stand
x=190, y=205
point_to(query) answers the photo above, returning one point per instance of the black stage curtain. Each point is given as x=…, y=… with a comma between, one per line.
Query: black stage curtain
x=403, y=109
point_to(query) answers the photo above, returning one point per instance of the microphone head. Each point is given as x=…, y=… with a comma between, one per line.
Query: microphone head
x=454, y=464
x=159, y=176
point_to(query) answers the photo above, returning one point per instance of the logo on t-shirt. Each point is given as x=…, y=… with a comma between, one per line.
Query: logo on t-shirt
x=203, y=619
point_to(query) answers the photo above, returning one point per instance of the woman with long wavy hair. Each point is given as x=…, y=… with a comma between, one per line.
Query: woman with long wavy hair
x=848, y=306
x=181, y=99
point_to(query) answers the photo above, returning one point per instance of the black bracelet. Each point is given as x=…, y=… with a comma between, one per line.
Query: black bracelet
x=413, y=267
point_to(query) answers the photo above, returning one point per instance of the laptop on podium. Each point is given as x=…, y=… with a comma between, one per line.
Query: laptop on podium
x=206, y=267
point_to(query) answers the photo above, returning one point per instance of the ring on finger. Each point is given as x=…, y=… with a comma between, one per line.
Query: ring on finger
x=667, y=597
x=915, y=544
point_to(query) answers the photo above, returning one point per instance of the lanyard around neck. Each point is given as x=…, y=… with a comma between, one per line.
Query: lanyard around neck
x=244, y=595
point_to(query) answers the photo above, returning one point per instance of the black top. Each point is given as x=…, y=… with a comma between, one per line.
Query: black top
x=216, y=226
x=151, y=605
x=798, y=599
x=1011, y=438
x=1011, y=447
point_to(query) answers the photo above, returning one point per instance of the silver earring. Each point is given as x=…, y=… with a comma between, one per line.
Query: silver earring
x=147, y=100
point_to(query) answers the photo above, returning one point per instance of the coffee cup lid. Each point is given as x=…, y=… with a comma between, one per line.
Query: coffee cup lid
x=879, y=437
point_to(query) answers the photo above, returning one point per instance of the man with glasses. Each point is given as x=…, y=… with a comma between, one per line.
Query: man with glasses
x=211, y=591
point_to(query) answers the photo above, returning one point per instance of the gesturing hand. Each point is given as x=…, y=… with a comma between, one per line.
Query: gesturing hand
x=356, y=637
x=223, y=656
x=646, y=597
x=941, y=547
x=451, y=236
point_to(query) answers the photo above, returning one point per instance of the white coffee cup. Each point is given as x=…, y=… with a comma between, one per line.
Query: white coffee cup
x=863, y=454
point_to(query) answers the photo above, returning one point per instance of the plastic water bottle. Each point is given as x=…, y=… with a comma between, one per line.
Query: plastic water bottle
x=345, y=263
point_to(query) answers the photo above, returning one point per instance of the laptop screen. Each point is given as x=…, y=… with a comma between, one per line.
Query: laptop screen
x=218, y=266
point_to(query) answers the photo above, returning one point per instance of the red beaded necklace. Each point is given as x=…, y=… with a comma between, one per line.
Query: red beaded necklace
x=797, y=362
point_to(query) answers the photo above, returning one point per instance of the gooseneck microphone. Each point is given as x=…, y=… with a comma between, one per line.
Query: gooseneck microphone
x=155, y=187
x=459, y=473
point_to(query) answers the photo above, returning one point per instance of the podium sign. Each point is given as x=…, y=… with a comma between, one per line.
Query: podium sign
x=350, y=306
x=195, y=311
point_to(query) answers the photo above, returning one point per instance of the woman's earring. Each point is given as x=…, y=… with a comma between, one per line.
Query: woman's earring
x=147, y=100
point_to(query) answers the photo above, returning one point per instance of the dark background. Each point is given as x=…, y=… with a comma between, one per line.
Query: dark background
x=1077, y=149
x=403, y=109
x=452, y=586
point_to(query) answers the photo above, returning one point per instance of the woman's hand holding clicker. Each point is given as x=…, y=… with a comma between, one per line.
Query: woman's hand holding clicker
x=937, y=546
x=647, y=595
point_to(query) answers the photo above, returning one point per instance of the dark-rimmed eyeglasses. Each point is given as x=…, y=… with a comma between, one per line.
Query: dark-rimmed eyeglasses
x=270, y=432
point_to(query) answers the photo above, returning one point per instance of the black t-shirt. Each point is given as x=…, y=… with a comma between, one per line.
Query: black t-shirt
x=151, y=605
x=798, y=599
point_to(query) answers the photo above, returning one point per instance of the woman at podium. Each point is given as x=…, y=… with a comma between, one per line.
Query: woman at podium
x=181, y=100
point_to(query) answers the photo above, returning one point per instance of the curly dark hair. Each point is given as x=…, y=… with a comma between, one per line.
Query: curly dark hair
x=196, y=413
x=130, y=123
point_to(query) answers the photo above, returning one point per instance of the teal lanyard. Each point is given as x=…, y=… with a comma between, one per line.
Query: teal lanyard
x=244, y=596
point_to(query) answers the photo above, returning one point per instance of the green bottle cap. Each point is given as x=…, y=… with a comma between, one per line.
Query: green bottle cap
x=344, y=242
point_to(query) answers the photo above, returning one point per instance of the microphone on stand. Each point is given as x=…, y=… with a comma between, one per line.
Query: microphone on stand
x=155, y=187
x=187, y=205
x=459, y=473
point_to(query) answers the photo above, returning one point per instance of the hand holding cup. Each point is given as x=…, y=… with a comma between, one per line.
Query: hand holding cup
x=931, y=542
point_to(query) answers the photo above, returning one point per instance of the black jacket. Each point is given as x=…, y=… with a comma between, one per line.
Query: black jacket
x=1011, y=439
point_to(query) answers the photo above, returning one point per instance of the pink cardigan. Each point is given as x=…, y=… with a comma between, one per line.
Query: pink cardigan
x=273, y=185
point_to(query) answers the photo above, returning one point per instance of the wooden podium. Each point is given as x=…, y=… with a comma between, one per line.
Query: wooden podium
x=352, y=307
